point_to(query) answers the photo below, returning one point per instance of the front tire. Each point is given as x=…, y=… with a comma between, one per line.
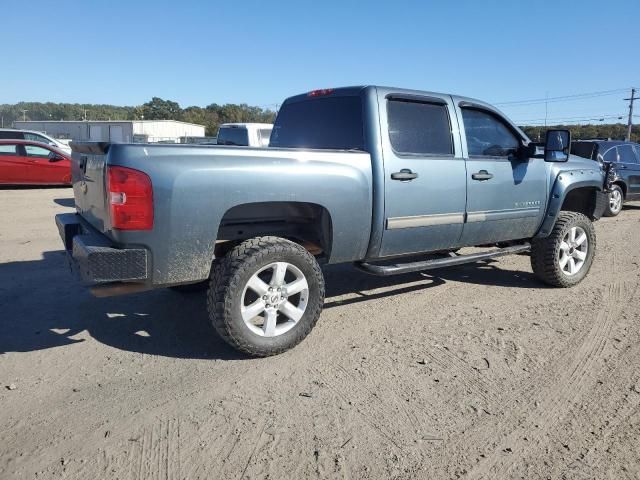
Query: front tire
x=564, y=258
x=265, y=295
x=616, y=199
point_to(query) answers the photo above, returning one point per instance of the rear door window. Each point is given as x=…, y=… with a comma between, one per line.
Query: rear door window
x=12, y=134
x=8, y=150
x=487, y=135
x=419, y=128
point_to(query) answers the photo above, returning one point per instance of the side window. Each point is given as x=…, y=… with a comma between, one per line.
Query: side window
x=10, y=150
x=637, y=150
x=610, y=155
x=264, y=134
x=38, y=152
x=487, y=135
x=12, y=134
x=626, y=154
x=419, y=128
x=33, y=137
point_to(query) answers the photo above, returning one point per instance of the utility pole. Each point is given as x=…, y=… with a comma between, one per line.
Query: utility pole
x=630, y=121
x=24, y=115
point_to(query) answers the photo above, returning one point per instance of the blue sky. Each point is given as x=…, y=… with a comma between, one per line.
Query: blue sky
x=201, y=52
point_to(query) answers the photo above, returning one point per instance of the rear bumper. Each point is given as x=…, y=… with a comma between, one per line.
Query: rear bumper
x=96, y=258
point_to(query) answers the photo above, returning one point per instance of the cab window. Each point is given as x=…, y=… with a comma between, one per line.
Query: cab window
x=610, y=155
x=38, y=152
x=8, y=150
x=419, y=128
x=626, y=154
x=34, y=137
x=487, y=135
x=11, y=134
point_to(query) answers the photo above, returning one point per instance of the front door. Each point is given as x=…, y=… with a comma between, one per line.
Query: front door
x=41, y=169
x=506, y=195
x=628, y=168
x=424, y=174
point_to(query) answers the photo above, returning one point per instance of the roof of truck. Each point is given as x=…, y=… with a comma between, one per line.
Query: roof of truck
x=358, y=90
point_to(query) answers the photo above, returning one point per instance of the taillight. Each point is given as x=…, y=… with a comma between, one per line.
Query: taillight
x=130, y=197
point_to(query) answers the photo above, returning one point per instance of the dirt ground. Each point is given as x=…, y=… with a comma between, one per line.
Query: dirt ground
x=472, y=372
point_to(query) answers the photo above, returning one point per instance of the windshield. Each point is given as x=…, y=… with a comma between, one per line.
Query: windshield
x=233, y=136
x=324, y=123
x=583, y=149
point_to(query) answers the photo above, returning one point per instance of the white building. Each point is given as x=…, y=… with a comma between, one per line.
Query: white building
x=118, y=131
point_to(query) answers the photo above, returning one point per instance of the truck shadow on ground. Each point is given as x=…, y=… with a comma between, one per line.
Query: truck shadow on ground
x=44, y=306
x=65, y=202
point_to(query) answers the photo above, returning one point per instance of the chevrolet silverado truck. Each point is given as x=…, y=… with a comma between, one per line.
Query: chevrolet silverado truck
x=370, y=175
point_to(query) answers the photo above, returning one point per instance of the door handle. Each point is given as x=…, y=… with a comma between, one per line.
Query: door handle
x=404, y=175
x=482, y=175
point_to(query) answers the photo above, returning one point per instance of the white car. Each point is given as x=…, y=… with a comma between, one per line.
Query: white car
x=13, y=134
x=245, y=134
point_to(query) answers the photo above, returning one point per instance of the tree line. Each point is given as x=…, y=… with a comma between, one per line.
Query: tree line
x=213, y=115
x=614, y=131
x=157, y=108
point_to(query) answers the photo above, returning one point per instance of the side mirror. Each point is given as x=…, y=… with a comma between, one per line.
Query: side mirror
x=55, y=157
x=557, y=146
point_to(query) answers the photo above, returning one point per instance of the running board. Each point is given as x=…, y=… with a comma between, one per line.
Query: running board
x=386, y=270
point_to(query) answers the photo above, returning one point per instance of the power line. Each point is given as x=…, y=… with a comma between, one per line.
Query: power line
x=580, y=117
x=571, y=120
x=563, y=98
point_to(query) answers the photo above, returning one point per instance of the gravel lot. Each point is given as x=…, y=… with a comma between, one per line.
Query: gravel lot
x=472, y=372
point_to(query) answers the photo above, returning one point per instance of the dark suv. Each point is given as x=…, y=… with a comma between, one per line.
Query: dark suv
x=624, y=173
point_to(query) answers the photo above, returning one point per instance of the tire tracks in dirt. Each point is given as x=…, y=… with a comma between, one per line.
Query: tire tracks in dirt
x=555, y=399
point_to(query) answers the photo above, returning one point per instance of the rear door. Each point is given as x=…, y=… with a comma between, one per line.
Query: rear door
x=12, y=165
x=506, y=195
x=424, y=174
x=628, y=168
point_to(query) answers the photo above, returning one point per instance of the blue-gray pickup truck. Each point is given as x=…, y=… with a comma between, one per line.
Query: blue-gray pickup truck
x=370, y=175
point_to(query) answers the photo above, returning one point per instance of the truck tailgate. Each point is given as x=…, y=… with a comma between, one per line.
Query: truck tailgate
x=88, y=167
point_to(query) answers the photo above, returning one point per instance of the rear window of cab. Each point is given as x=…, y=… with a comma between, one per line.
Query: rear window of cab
x=333, y=123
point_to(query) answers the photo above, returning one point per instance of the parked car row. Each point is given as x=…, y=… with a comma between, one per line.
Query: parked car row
x=32, y=136
x=622, y=160
x=34, y=158
x=25, y=162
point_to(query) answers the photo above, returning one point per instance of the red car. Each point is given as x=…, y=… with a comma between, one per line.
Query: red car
x=23, y=162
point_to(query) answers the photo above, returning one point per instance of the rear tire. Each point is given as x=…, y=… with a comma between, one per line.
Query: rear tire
x=265, y=295
x=615, y=201
x=564, y=258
